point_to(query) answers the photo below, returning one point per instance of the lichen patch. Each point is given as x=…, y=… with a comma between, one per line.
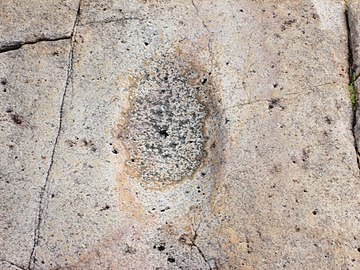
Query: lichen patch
x=164, y=128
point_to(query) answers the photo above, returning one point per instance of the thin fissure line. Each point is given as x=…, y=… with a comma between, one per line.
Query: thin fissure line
x=13, y=264
x=351, y=79
x=209, y=39
x=41, y=208
x=112, y=20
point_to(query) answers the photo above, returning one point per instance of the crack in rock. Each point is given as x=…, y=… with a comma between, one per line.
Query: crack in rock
x=42, y=203
x=112, y=20
x=190, y=240
x=12, y=264
x=209, y=33
x=17, y=45
x=352, y=80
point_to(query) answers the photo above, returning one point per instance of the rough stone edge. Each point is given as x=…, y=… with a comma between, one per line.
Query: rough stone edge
x=354, y=64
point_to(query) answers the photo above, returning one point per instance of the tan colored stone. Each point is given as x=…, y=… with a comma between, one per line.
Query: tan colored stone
x=278, y=186
x=35, y=20
x=32, y=84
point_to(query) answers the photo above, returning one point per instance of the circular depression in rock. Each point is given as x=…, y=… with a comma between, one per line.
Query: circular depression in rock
x=163, y=133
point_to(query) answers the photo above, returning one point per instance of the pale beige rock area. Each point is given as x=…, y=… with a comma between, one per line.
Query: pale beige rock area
x=33, y=20
x=242, y=156
x=32, y=83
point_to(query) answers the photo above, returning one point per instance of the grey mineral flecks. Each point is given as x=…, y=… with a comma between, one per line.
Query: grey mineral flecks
x=237, y=116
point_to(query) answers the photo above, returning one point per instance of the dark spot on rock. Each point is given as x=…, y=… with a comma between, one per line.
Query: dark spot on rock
x=115, y=151
x=106, y=207
x=70, y=143
x=287, y=24
x=328, y=120
x=171, y=259
x=9, y=110
x=3, y=81
x=166, y=208
x=146, y=43
x=273, y=102
x=85, y=142
x=163, y=133
x=315, y=212
x=17, y=119
x=275, y=85
x=315, y=16
x=204, y=81
x=129, y=250
x=160, y=246
x=305, y=155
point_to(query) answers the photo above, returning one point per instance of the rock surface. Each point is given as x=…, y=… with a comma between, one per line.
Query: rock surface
x=178, y=135
x=353, y=15
x=37, y=20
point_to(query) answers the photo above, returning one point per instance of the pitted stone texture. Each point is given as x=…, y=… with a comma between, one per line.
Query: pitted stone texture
x=21, y=23
x=91, y=211
x=32, y=84
x=280, y=185
x=164, y=129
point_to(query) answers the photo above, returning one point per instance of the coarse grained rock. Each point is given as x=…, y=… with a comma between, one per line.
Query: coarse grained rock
x=32, y=81
x=35, y=20
x=267, y=88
